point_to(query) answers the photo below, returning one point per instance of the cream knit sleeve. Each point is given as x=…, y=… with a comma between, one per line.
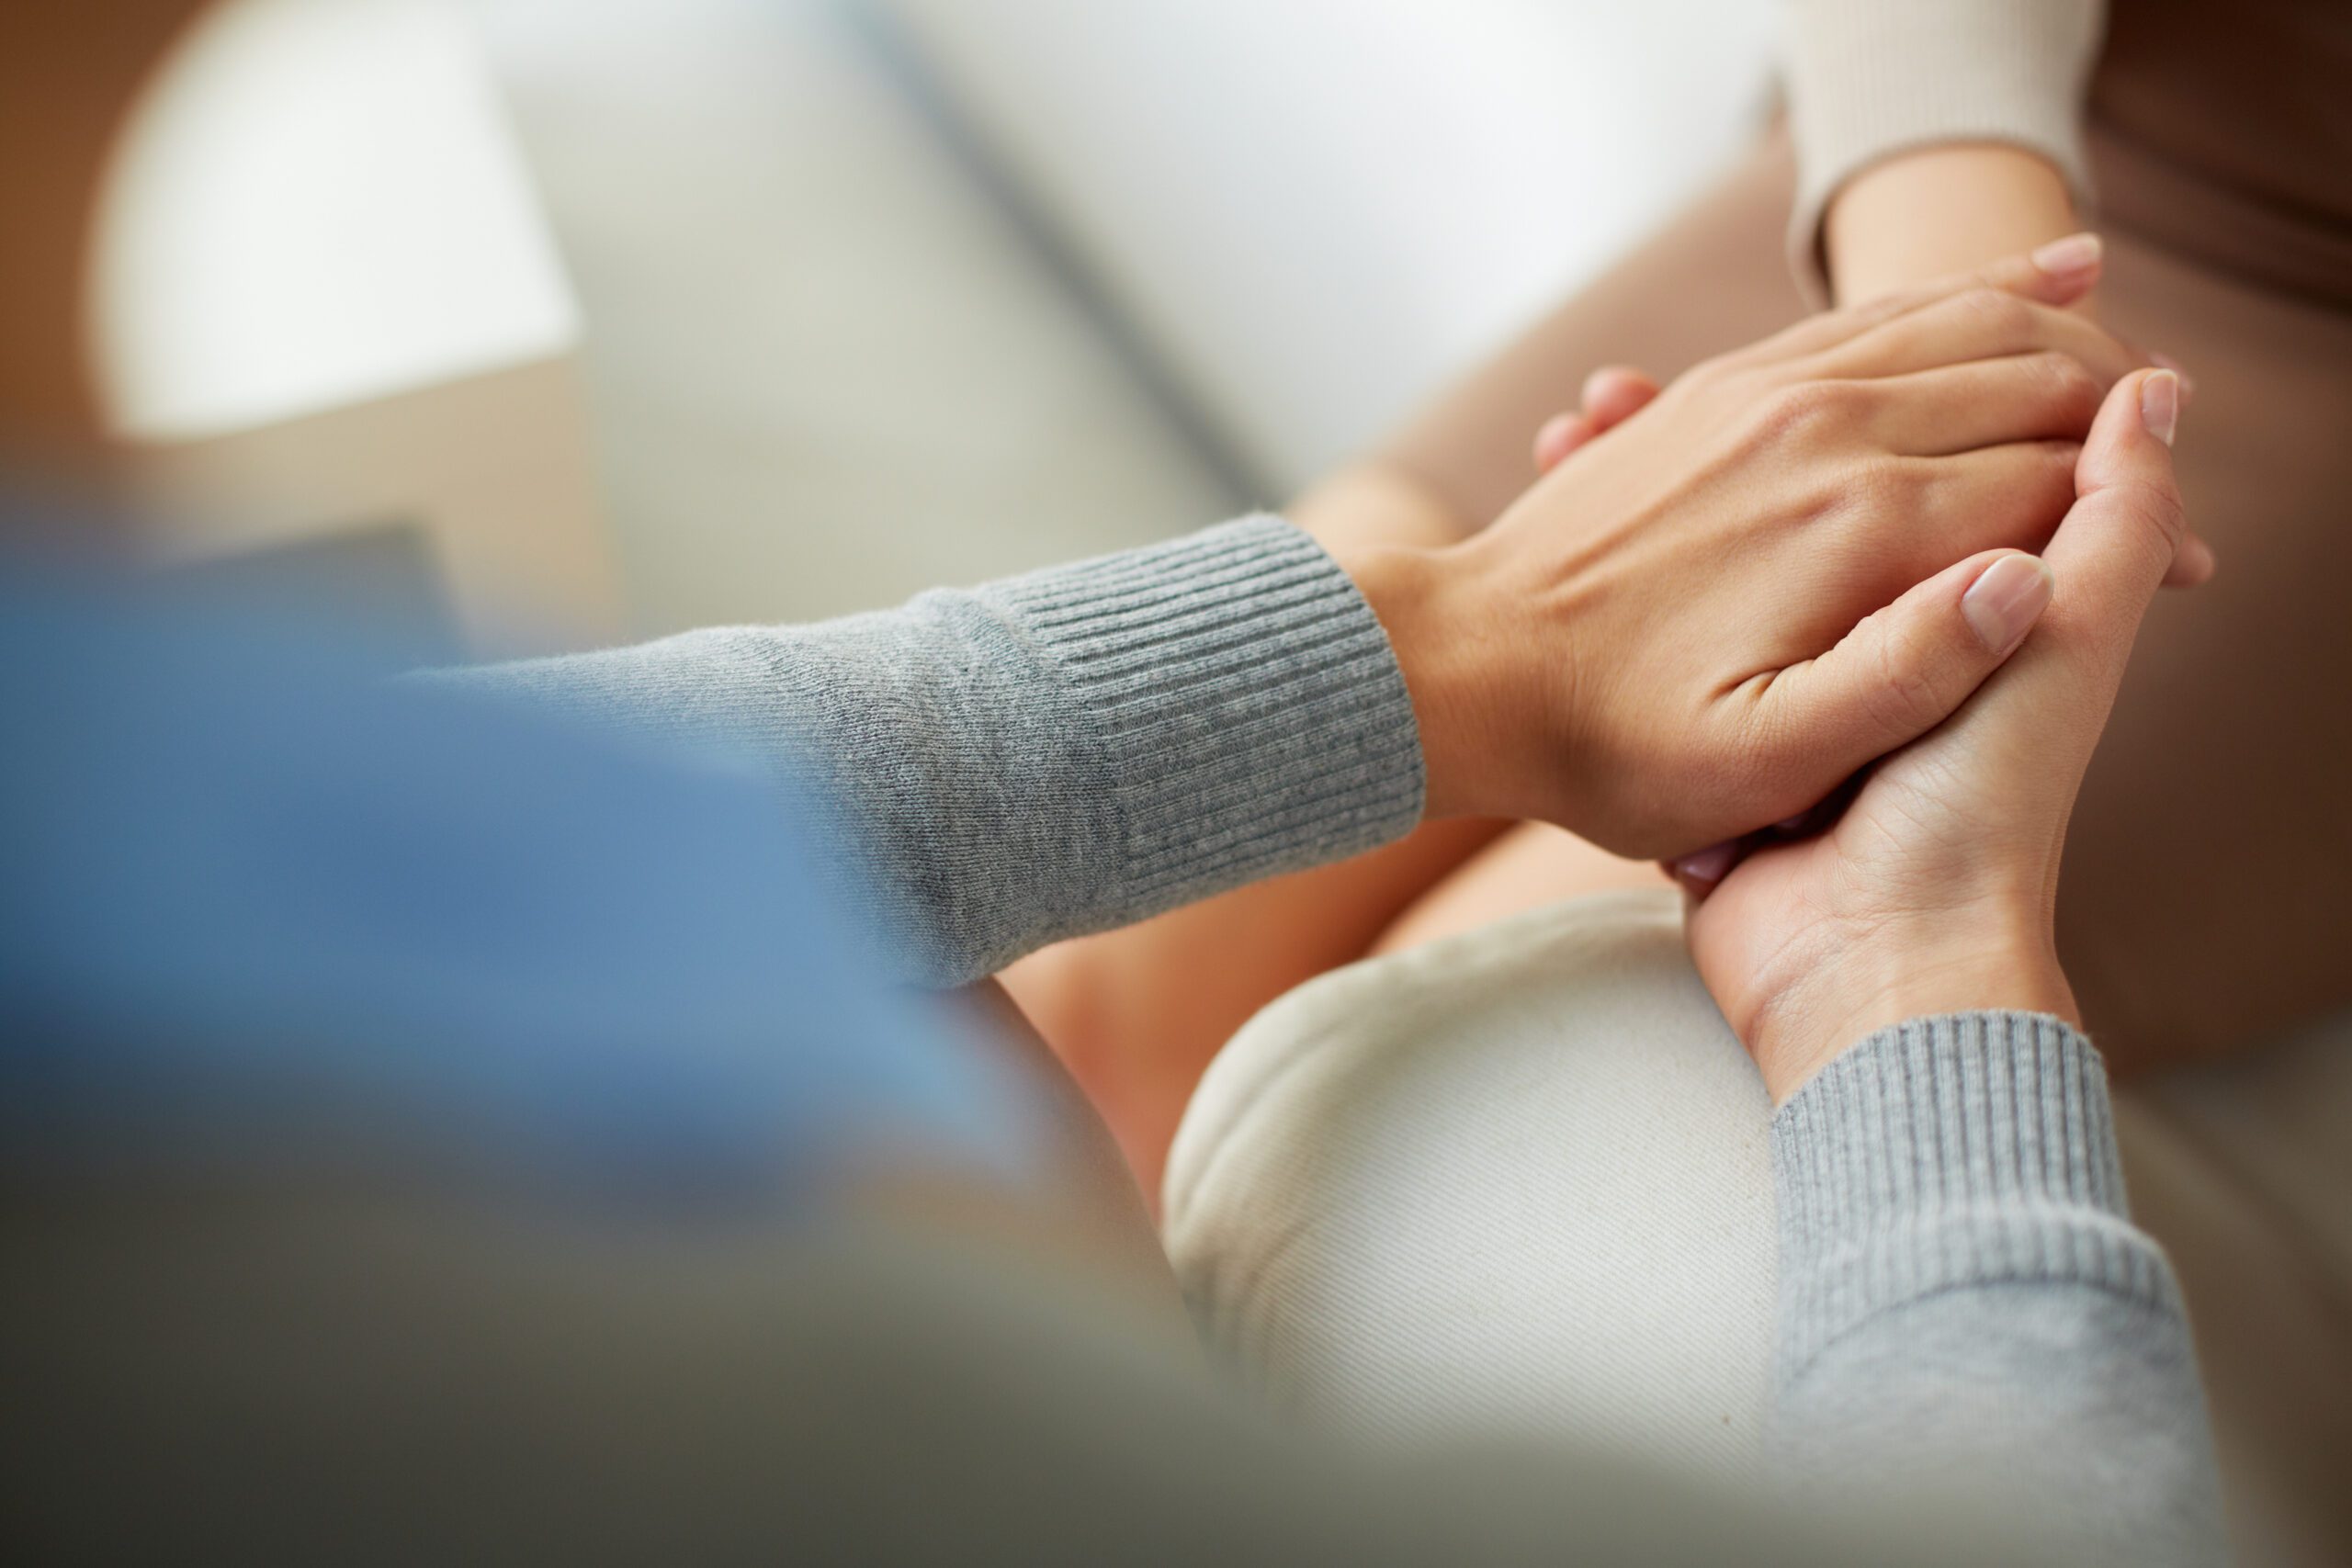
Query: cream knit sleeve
x=1870, y=78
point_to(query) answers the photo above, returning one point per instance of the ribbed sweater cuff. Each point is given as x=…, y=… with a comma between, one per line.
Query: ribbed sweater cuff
x=1870, y=78
x=1242, y=700
x=1946, y=1153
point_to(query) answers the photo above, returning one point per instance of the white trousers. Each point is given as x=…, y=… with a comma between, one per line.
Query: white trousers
x=1521, y=1180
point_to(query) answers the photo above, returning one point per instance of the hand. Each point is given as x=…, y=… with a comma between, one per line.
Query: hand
x=1933, y=891
x=1941, y=208
x=1615, y=393
x=1658, y=648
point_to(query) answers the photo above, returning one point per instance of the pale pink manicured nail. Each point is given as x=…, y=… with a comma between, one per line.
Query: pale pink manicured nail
x=2188, y=382
x=2006, y=600
x=2160, y=404
x=1708, y=865
x=2069, y=257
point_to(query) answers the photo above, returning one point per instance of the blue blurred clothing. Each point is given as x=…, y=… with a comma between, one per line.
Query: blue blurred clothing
x=245, y=883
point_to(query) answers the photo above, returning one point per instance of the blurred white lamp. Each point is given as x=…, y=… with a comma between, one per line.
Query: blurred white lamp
x=317, y=203
x=325, y=301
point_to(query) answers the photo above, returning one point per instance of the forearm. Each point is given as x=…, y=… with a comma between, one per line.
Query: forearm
x=1056, y=753
x=1938, y=211
x=1968, y=1317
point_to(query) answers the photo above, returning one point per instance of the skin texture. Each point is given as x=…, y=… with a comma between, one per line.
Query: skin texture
x=1935, y=889
x=1945, y=209
x=1695, y=583
x=1939, y=210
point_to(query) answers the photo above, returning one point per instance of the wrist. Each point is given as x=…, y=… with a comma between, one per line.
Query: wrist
x=1427, y=604
x=1940, y=210
x=1893, y=974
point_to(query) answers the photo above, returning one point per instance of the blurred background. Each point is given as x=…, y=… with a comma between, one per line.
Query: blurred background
x=624, y=316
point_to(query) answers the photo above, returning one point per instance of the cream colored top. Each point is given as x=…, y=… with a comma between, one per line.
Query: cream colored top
x=1870, y=78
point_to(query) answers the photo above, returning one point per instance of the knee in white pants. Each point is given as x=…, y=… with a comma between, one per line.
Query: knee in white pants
x=1518, y=1181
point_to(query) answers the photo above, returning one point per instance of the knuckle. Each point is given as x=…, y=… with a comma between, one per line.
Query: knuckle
x=2064, y=459
x=1906, y=694
x=1726, y=383
x=2152, y=507
x=1870, y=491
x=1715, y=368
x=1807, y=410
x=1771, y=749
x=1883, y=308
x=2074, y=393
x=1996, y=311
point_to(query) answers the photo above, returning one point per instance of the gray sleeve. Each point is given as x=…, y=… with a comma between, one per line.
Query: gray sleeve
x=1967, y=1314
x=1868, y=79
x=1052, y=754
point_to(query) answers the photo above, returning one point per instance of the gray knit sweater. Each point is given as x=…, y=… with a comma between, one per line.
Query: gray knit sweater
x=1965, y=1305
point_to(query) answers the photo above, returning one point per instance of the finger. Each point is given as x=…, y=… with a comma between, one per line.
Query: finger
x=1615, y=393
x=1612, y=395
x=2194, y=565
x=2167, y=362
x=1698, y=874
x=1981, y=324
x=1560, y=438
x=2128, y=526
x=2039, y=407
x=1908, y=667
x=2115, y=546
x=2059, y=272
x=1918, y=515
x=1985, y=403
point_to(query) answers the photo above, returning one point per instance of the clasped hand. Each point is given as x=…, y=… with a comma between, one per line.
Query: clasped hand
x=1788, y=564
x=1809, y=560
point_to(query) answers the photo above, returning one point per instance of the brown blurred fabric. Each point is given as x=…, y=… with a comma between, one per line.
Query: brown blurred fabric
x=2224, y=134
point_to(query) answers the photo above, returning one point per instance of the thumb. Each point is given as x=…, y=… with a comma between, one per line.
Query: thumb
x=2121, y=536
x=1908, y=667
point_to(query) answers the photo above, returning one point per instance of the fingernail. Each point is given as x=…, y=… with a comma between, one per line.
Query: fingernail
x=2188, y=382
x=2074, y=254
x=2160, y=404
x=2006, y=600
x=1708, y=865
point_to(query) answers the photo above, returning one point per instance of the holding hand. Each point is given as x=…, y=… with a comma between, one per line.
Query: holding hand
x=1785, y=566
x=1933, y=892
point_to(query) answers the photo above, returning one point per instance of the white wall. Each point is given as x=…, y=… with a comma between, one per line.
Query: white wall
x=1318, y=211
x=825, y=370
